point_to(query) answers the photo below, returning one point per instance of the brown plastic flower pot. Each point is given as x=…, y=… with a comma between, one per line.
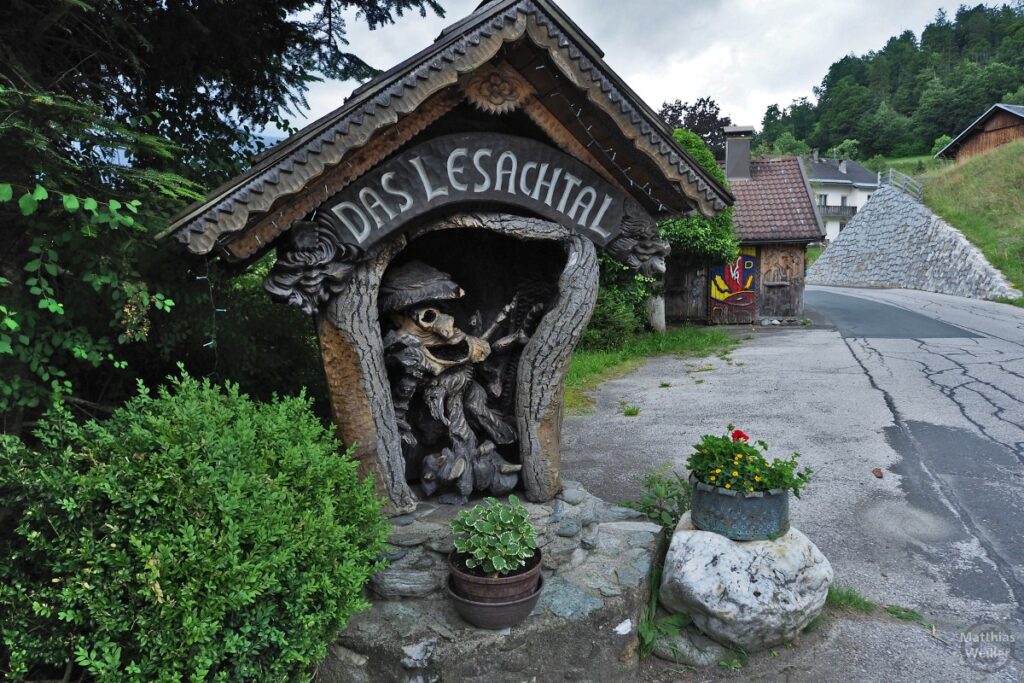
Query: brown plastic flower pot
x=501, y=589
x=495, y=615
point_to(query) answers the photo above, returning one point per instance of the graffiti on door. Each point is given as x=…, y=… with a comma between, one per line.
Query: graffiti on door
x=734, y=288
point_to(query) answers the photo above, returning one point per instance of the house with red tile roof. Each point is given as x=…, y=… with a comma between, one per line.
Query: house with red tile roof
x=774, y=218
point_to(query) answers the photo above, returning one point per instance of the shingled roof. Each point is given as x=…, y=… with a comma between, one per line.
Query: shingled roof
x=573, y=85
x=776, y=204
x=831, y=171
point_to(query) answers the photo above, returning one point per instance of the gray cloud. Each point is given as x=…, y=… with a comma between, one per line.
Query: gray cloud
x=746, y=54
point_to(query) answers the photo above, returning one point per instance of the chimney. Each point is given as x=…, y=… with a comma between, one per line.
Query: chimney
x=842, y=165
x=737, y=152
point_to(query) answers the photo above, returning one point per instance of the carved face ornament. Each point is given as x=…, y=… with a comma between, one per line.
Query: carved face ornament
x=650, y=256
x=443, y=345
x=433, y=327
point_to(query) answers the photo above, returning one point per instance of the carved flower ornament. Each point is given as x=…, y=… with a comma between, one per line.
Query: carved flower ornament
x=497, y=90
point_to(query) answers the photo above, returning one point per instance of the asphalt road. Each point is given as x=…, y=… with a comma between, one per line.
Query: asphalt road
x=928, y=388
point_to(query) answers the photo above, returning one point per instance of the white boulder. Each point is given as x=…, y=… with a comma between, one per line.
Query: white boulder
x=751, y=594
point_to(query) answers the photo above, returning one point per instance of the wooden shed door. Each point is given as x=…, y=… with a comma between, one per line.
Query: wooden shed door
x=782, y=281
x=686, y=286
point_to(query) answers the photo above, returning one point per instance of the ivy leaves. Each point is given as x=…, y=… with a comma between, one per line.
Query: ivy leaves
x=709, y=237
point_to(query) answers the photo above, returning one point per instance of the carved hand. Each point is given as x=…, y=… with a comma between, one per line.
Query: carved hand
x=519, y=337
x=500, y=318
x=479, y=349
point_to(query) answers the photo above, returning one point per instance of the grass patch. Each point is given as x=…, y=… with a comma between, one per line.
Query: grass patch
x=905, y=614
x=982, y=198
x=812, y=255
x=912, y=166
x=588, y=368
x=847, y=598
x=707, y=367
x=628, y=410
x=651, y=630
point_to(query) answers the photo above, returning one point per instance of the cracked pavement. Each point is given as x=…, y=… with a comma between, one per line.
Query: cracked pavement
x=930, y=389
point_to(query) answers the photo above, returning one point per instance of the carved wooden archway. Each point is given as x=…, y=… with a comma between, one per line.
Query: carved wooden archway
x=511, y=124
x=349, y=328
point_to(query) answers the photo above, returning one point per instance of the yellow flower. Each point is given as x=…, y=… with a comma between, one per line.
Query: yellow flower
x=712, y=477
x=757, y=477
x=739, y=456
x=717, y=470
x=728, y=486
x=735, y=473
x=751, y=489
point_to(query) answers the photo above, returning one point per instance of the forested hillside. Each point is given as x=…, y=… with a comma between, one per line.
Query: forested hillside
x=898, y=100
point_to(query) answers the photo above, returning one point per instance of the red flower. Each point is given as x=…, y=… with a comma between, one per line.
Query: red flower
x=739, y=435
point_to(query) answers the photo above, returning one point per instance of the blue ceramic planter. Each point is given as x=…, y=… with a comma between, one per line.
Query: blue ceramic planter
x=759, y=516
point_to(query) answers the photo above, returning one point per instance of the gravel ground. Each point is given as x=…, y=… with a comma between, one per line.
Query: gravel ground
x=942, y=417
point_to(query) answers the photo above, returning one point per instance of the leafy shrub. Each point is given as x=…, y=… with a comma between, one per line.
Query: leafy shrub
x=665, y=498
x=196, y=535
x=494, y=537
x=788, y=145
x=700, y=235
x=731, y=462
x=847, y=149
x=939, y=143
x=621, y=308
x=614, y=319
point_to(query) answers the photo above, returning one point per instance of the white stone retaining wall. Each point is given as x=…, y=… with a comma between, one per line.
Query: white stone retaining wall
x=895, y=241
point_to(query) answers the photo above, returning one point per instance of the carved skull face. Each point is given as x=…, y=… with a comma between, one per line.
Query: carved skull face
x=435, y=323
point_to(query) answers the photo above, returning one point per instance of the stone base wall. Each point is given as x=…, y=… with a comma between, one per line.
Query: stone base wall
x=895, y=241
x=597, y=563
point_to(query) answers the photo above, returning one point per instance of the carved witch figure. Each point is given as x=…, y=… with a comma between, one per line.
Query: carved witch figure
x=445, y=383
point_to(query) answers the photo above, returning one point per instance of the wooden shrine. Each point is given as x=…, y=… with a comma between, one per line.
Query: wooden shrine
x=443, y=227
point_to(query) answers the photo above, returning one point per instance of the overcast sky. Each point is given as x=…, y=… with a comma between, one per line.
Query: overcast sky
x=745, y=54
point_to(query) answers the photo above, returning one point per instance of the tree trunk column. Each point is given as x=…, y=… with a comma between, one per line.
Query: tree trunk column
x=353, y=357
x=542, y=370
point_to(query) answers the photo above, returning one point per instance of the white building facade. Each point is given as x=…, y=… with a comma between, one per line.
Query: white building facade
x=841, y=187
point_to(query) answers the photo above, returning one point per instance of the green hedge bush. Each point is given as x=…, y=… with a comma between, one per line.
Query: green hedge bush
x=613, y=321
x=711, y=238
x=196, y=535
x=621, y=308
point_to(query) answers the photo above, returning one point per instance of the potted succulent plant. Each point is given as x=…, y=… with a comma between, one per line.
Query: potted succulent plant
x=495, y=567
x=737, y=492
